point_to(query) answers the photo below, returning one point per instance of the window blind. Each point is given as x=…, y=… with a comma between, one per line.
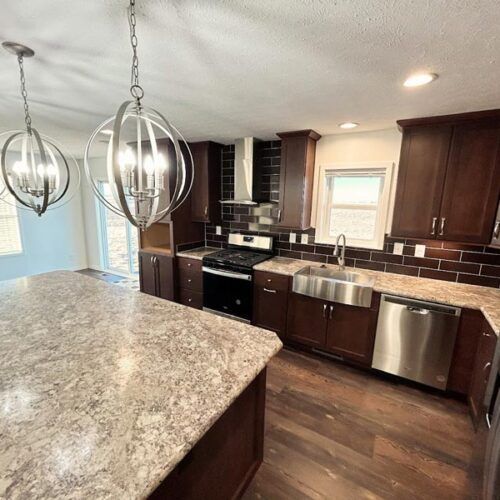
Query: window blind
x=10, y=236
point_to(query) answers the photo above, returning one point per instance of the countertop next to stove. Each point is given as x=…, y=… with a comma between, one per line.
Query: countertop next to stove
x=483, y=298
x=103, y=396
x=198, y=253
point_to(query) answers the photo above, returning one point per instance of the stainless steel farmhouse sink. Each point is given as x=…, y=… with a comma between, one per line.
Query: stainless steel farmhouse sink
x=345, y=287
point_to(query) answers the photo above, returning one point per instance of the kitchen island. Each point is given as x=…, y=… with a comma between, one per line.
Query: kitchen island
x=110, y=393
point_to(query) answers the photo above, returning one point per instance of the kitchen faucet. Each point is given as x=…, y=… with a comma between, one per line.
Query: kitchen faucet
x=340, y=254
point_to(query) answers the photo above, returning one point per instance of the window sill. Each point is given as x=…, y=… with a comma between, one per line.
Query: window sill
x=350, y=244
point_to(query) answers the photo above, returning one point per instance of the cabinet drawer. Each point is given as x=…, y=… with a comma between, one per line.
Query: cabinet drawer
x=190, y=298
x=271, y=281
x=191, y=280
x=189, y=264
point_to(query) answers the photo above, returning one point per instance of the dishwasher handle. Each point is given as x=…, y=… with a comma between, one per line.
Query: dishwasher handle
x=420, y=306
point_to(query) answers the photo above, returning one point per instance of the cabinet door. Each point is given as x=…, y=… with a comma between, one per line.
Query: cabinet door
x=306, y=320
x=472, y=185
x=165, y=286
x=422, y=168
x=270, y=309
x=481, y=373
x=206, y=190
x=351, y=332
x=147, y=273
x=298, y=150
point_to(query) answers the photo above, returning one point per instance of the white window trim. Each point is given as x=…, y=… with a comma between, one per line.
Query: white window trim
x=16, y=253
x=383, y=213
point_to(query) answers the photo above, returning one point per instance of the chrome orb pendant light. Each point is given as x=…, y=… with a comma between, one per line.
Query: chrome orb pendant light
x=34, y=169
x=142, y=156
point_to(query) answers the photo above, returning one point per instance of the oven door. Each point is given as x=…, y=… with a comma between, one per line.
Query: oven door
x=228, y=292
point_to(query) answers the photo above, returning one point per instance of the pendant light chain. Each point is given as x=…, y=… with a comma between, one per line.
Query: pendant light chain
x=135, y=89
x=24, y=94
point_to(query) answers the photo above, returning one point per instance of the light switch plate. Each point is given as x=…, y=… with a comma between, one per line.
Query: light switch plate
x=293, y=238
x=398, y=249
x=419, y=250
x=304, y=239
x=218, y=230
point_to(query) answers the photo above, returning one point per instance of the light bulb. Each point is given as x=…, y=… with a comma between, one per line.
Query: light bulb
x=40, y=170
x=51, y=170
x=126, y=160
x=161, y=163
x=20, y=168
x=149, y=165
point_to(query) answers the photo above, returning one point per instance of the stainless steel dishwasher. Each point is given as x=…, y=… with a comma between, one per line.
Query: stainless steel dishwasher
x=415, y=339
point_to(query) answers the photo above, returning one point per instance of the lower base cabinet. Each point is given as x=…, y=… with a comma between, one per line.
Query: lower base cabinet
x=343, y=330
x=190, y=282
x=156, y=275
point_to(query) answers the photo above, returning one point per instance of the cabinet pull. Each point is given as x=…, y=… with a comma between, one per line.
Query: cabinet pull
x=441, y=229
x=190, y=300
x=434, y=222
x=206, y=211
x=324, y=310
x=269, y=280
x=486, y=334
x=279, y=215
x=496, y=231
x=189, y=280
x=189, y=264
x=488, y=422
x=331, y=312
x=268, y=290
x=486, y=366
x=151, y=260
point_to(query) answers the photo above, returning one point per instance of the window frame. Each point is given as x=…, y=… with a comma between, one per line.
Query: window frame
x=19, y=228
x=322, y=217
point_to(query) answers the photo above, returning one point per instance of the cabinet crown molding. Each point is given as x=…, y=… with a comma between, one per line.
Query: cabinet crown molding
x=489, y=114
x=300, y=133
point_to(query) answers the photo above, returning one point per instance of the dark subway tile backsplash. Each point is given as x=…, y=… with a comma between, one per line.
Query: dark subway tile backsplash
x=473, y=264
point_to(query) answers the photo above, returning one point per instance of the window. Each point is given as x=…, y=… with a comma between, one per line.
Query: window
x=353, y=200
x=10, y=234
x=119, y=239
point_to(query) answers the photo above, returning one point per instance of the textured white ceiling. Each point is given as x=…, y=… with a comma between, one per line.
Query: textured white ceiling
x=220, y=69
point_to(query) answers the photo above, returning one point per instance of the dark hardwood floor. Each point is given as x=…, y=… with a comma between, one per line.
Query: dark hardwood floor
x=339, y=433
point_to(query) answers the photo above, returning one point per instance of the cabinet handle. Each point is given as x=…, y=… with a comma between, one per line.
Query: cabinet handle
x=488, y=422
x=434, y=222
x=206, y=211
x=279, y=215
x=269, y=280
x=486, y=334
x=496, y=231
x=190, y=300
x=189, y=280
x=268, y=290
x=324, y=310
x=151, y=260
x=189, y=264
x=331, y=312
x=441, y=229
x=486, y=366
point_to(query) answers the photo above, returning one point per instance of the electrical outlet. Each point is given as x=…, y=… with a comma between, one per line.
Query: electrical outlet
x=419, y=250
x=218, y=230
x=398, y=249
x=293, y=238
x=304, y=239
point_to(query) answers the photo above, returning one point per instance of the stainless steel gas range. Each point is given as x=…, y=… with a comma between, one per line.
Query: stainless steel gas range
x=228, y=275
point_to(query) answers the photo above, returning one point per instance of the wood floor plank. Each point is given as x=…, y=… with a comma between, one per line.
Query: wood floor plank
x=334, y=431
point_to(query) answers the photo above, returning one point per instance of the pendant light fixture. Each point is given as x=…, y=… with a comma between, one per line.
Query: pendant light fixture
x=144, y=158
x=34, y=169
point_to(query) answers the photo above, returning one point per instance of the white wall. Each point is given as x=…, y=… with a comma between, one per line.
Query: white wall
x=359, y=147
x=50, y=242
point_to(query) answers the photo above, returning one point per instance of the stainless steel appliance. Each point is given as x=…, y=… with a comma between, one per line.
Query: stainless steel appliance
x=415, y=339
x=495, y=238
x=228, y=275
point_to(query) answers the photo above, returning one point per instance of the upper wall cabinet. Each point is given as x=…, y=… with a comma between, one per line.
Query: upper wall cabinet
x=206, y=192
x=449, y=178
x=298, y=151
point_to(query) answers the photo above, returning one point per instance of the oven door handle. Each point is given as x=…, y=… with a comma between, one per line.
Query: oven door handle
x=228, y=274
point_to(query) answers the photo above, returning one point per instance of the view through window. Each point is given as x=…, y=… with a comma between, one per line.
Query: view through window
x=119, y=239
x=10, y=235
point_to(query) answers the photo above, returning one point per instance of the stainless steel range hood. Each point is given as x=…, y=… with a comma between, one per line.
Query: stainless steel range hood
x=244, y=184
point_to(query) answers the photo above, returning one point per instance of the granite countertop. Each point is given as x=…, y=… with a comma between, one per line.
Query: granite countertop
x=457, y=294
x=104, y=390
x=197, y=253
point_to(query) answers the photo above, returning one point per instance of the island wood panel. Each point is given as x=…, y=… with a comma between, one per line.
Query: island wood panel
x=224, y=461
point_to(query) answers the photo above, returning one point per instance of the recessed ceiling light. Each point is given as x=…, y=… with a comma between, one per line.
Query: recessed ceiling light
x=348, y=125
x=419, y=79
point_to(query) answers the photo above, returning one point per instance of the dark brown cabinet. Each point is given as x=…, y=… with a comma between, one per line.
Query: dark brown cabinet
x=206, y=191
x=449, y=178
x=307, y=320
x=351, y=332
x=298, y=151
x=190, y=282
x=480, y=375
x=156, y=275
x=270, y=302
